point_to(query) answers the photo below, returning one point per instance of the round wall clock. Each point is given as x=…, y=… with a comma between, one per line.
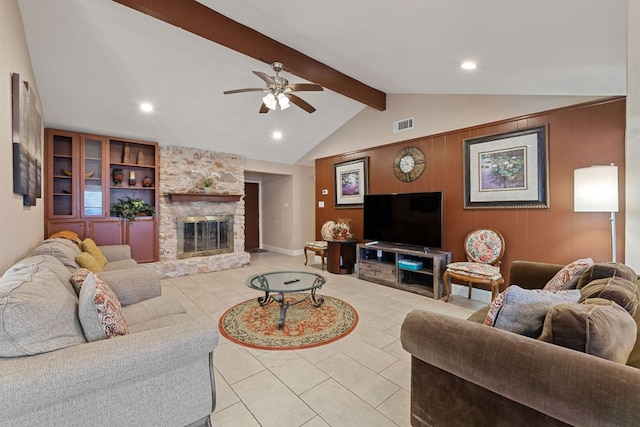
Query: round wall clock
x=409, y=164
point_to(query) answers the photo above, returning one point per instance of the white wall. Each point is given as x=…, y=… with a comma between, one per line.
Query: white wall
x=22, y=227
x=288, y=213
x=632, y=232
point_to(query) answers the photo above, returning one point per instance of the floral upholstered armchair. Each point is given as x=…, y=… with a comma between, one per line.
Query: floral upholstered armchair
x=484, y=249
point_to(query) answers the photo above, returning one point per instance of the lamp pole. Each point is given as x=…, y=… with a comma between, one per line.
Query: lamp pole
x=613, y=236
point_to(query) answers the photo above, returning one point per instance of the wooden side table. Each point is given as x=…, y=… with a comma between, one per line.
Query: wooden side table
x=341, y=256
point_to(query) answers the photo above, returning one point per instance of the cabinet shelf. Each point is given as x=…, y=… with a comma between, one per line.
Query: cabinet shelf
x=131, y=165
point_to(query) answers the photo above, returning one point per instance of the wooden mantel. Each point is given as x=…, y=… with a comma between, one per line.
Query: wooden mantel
x=202, y=197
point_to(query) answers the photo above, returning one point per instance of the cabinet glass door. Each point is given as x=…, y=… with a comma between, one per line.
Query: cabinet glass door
x=62, y=176
x=93, y=194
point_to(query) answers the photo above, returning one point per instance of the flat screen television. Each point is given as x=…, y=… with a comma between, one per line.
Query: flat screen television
x=413, y=219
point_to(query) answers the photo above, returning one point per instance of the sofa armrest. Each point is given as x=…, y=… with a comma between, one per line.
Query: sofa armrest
x=101, y=368
x=133, y=285
x=116, y=252
x=532, y=275
x=573, y=387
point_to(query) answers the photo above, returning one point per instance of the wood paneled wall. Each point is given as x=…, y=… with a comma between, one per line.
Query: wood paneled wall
x=579, y=136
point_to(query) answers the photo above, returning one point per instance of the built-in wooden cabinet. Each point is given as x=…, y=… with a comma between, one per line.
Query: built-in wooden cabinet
x=80, y=188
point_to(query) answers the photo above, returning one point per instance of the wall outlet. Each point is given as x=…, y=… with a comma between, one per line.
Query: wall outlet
x=321, y=204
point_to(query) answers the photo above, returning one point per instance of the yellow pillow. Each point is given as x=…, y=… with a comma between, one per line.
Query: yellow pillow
x=86, y=260
x=88, y=245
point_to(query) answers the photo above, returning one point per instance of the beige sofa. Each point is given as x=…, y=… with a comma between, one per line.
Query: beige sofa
x=159, y=374
x=464, y=373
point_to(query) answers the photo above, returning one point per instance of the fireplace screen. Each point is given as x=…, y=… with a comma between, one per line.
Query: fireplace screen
x=204, y=235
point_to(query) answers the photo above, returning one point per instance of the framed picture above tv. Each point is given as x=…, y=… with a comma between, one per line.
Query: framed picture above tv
x=507, y=170
x=351, y=182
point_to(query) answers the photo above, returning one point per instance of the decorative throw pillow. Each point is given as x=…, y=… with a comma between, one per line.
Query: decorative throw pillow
x=100, y=312
x=624, y=292
x=568, y=276
x=86, y=260
x=524, y=310
x=78, y=278
x=69, y=235
x=495, y=307
x=605, y=270
x=601, y=328
x=88, y=245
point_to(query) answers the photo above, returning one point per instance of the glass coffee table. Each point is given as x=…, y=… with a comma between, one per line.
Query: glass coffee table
x=282, y=282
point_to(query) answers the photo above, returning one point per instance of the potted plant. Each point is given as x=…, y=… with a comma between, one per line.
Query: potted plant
x=130, y=208
x=207, y=182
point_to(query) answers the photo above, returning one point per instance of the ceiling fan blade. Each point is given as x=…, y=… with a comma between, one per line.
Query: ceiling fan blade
x=249, y=89
x=301, y=103
x=299, y=87
x=265, y=77
x=263, y=108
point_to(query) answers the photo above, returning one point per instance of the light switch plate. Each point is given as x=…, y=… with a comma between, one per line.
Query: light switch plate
x=321, y=204
x=325, y=192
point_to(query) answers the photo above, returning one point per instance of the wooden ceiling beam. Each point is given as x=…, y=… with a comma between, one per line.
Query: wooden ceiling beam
x=204, y=22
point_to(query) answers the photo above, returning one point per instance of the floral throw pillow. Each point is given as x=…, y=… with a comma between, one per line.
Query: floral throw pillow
x=567, y=277
x=78, y=278
x=100, y=312
x=495, y=307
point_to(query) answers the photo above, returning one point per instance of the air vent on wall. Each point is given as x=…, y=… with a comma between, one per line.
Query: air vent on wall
x=402, y=125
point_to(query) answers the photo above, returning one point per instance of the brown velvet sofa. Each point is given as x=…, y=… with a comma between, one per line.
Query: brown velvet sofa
x=464, y=373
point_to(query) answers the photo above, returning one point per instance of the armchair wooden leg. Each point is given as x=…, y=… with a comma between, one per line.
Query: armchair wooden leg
x=447, y=286
x=305, y=256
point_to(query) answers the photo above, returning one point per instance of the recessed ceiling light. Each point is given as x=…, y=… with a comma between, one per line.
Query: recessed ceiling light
x=468, y=65
x=277, y=135
x=146, y=107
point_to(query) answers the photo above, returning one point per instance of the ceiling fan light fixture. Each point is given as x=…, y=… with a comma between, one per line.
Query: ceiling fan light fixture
x=279, y=93
x=283, y=100
x=270, y=101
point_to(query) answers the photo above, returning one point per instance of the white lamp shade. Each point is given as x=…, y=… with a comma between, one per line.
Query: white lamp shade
x=283, y=101
x=270, y=101
x=595, y=189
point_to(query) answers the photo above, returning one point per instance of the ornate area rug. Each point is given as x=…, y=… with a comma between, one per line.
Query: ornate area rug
x=305, y=326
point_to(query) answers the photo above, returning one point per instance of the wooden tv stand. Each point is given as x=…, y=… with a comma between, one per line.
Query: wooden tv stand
x=379, y=263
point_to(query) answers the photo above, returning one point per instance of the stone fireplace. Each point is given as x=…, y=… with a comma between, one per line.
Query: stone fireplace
x=182, y=171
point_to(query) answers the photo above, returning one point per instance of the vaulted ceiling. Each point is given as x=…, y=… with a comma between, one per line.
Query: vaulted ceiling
x=96, y=61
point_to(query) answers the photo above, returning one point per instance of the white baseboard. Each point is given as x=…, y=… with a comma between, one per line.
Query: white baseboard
x=289, y=252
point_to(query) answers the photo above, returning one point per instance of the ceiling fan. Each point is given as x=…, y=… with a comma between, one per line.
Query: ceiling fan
x=279, y=93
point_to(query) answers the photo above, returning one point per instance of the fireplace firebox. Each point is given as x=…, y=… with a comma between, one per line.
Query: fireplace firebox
x=204, y=235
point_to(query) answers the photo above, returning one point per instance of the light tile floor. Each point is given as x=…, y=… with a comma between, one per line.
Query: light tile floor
x=362, y=379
